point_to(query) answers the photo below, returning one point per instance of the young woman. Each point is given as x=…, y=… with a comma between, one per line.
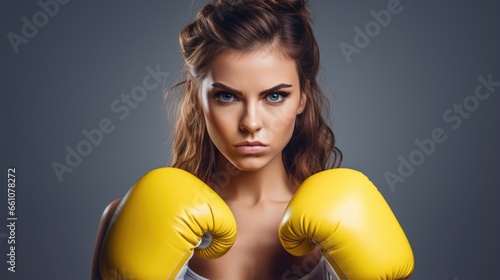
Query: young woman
x=251, y=124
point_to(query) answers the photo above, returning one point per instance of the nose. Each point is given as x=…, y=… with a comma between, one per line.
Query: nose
x=251, y=120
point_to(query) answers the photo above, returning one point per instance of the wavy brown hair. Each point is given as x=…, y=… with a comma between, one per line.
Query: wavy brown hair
x=245, y=26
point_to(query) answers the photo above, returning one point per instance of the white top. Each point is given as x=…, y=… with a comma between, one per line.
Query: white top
x=322, y=271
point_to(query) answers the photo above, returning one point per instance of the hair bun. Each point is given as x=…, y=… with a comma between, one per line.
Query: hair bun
x=298, y=7
x=288, y=5
x=295, y=4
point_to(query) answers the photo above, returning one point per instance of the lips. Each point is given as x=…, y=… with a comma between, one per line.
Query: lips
x=250, y=143
x=250, y=147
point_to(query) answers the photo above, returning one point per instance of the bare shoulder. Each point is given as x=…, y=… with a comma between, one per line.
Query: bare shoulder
x=106, y=217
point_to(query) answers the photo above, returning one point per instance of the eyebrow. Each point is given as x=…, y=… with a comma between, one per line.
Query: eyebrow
x=232, y=90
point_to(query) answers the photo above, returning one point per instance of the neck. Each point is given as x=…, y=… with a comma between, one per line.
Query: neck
x=268, y=184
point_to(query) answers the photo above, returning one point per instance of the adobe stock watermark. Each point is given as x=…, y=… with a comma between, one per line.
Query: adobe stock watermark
x=307, y=265
x=220, y=180
x=371, y=29
x=121, y=108
x=39, y=19
x=453, y=117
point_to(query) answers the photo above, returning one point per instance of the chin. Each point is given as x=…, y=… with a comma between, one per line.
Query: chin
x=250, y=163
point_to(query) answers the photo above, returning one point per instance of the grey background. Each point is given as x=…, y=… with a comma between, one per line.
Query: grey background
x=394, y=91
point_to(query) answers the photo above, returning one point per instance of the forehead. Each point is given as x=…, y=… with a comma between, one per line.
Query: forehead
x=262, y=67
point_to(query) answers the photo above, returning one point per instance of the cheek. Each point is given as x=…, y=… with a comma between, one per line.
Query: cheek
x=282, y=126
x=213, y=124
x=219, y=126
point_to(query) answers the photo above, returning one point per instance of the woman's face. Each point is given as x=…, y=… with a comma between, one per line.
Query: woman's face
x=250, y=102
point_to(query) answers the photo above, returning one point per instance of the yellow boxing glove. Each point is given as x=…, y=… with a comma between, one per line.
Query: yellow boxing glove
x=159, y=224
x=343, y=212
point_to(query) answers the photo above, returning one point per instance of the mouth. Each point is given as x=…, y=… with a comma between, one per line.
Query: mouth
x=250, y=147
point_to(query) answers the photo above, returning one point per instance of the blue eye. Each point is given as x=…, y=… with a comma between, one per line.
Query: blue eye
x=276, y=97
x=224, y=97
